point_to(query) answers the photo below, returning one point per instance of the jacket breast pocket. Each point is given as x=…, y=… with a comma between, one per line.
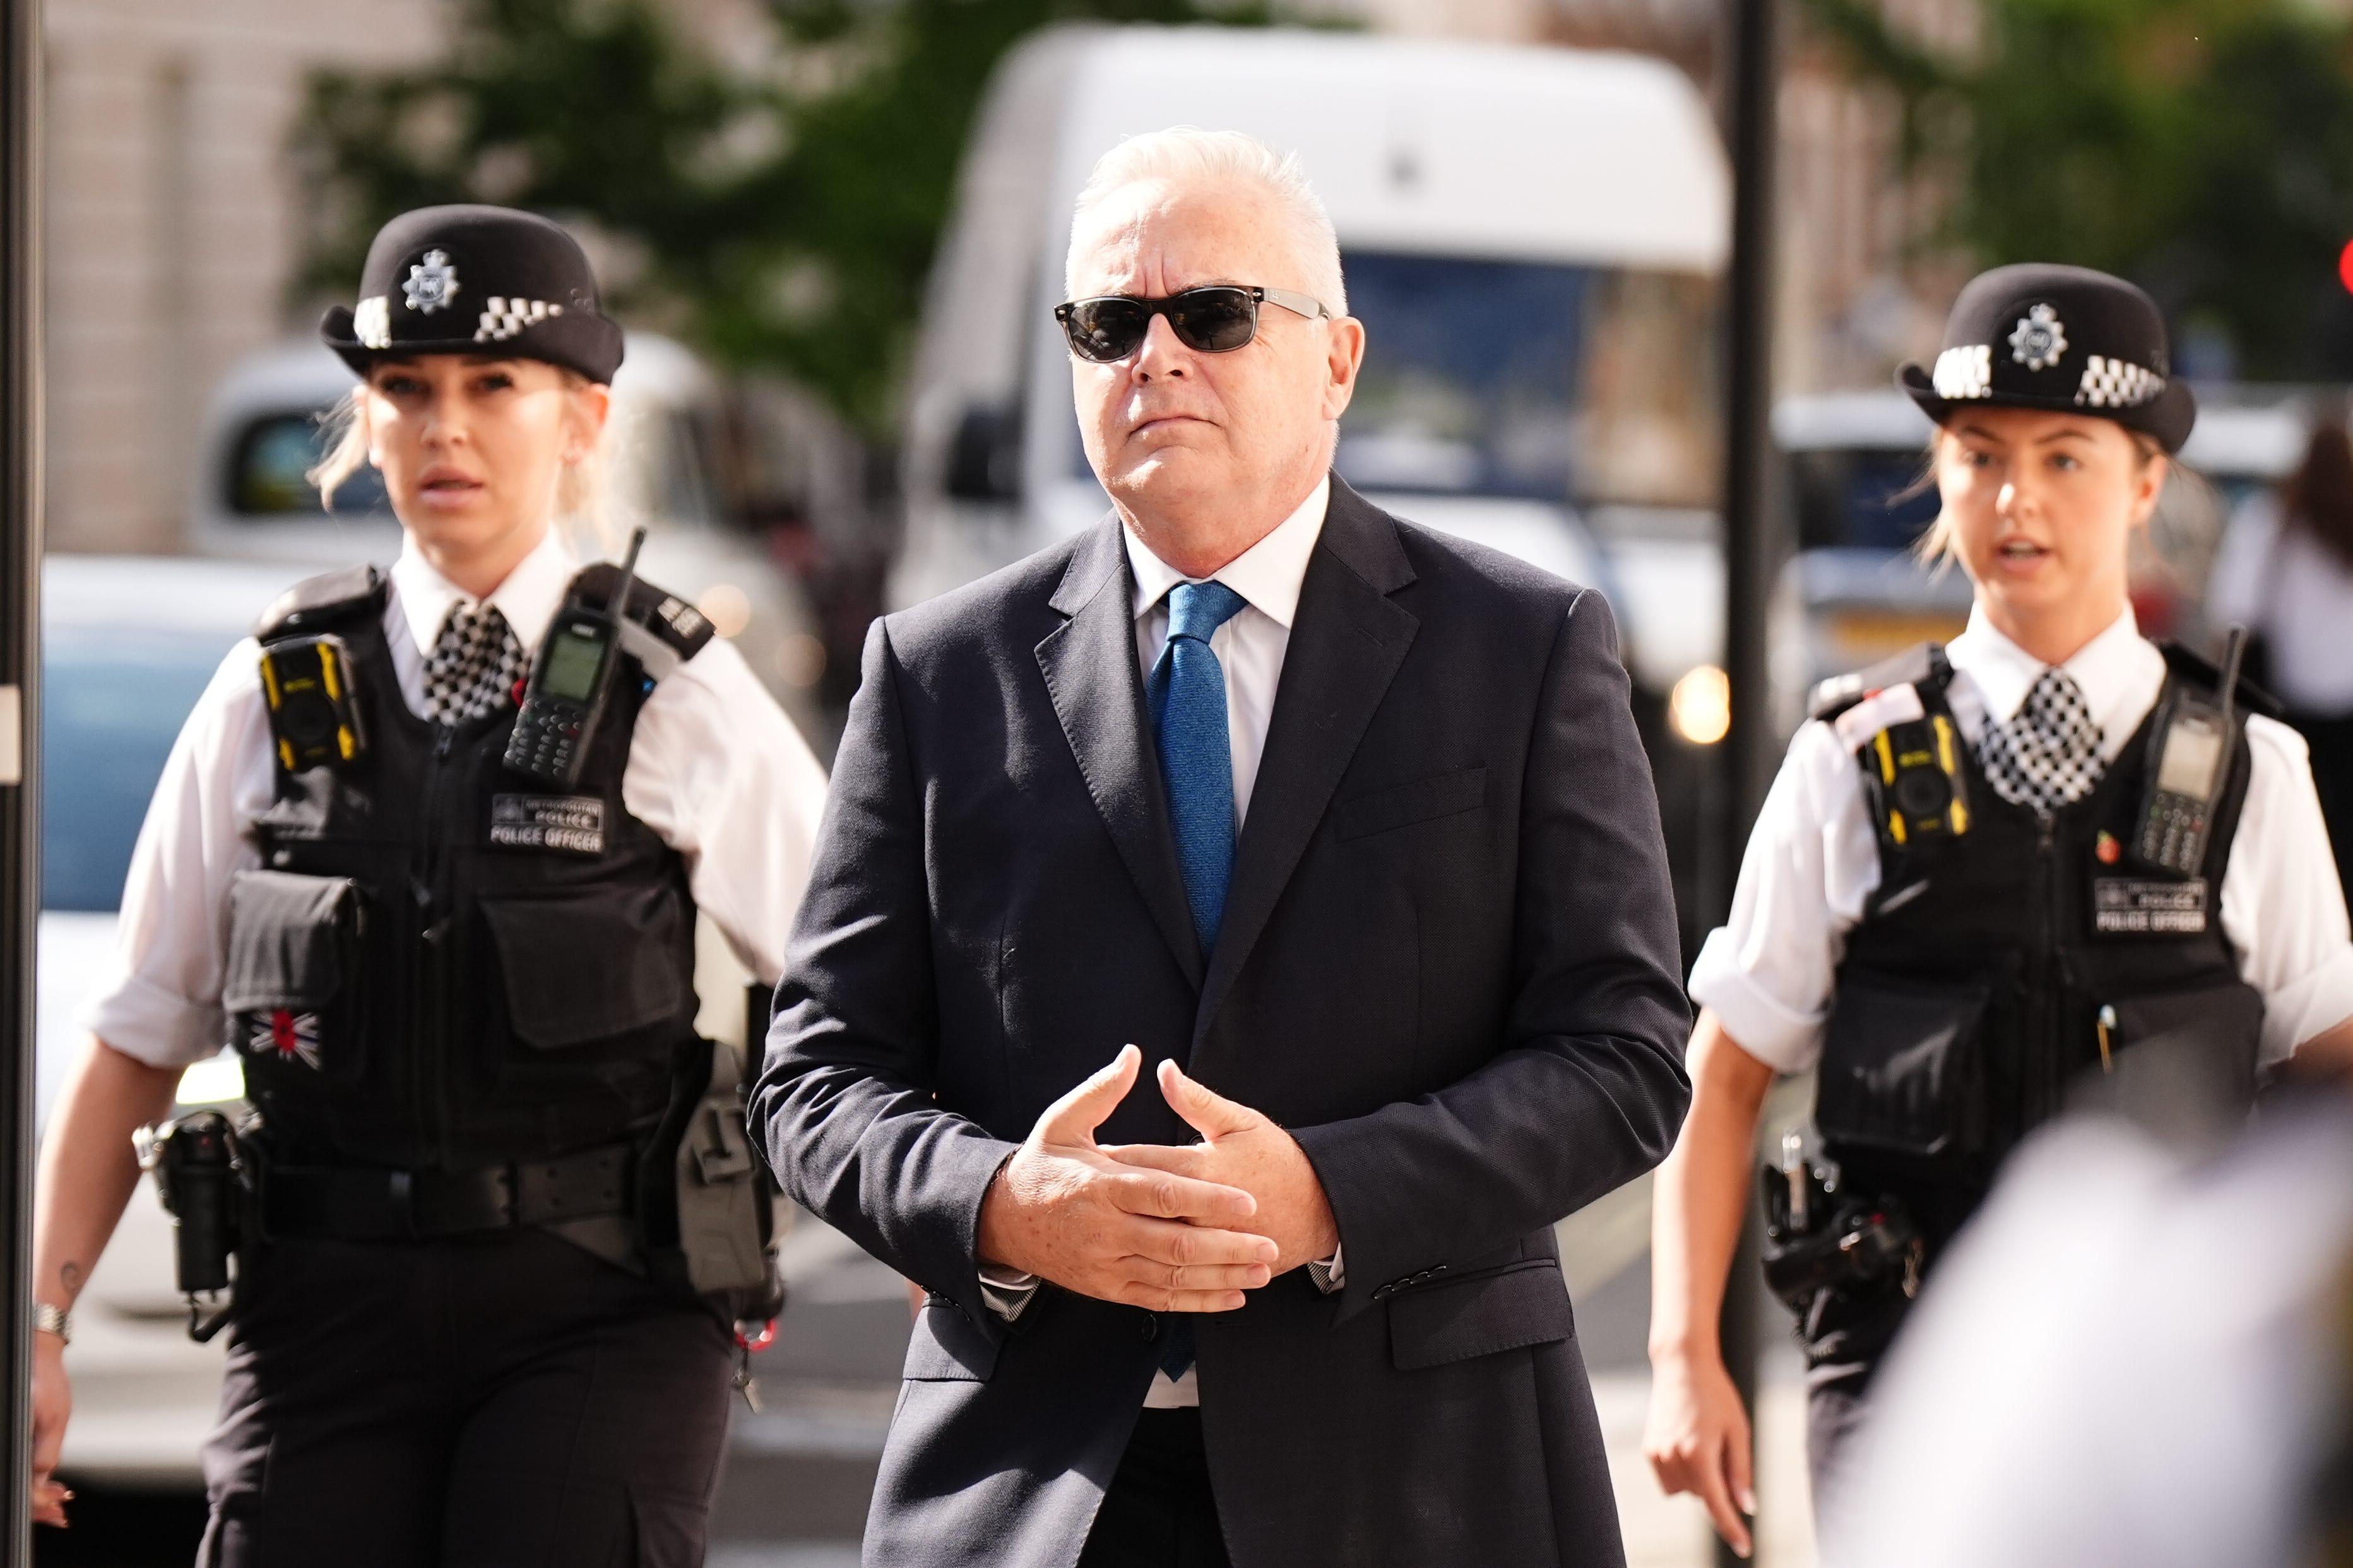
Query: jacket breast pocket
x=1522, y=1304
x=291, y=985
x=600, y=966
x=948, y=1347
x=1902, y=1069
x=1418, y=800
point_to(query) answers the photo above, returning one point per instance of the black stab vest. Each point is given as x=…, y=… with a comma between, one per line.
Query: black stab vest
x=1969, y=1002
x=444, y=964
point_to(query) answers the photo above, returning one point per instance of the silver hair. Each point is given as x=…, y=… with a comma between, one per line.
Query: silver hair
x=1186, y=151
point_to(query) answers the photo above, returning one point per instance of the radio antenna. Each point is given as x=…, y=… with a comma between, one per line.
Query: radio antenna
x=2234, y=650
x=617, y=603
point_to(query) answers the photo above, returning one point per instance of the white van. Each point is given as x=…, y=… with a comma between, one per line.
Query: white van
x=261, y=432
x=1530, y=237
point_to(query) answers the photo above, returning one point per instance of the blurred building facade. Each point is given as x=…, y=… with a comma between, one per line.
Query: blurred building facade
x=174, y=220
x=173, y=227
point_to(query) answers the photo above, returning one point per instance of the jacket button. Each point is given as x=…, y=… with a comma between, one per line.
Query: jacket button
x=1151, y=1326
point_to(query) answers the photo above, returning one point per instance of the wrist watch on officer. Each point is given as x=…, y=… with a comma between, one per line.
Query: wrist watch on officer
x=57, y=1321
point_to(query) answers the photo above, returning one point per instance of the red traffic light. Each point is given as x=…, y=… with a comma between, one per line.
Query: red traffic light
x=2345, y=267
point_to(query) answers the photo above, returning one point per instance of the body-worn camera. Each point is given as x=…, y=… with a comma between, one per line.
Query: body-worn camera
x=1819, y=1239
x=314, y=721
x=197, y=1169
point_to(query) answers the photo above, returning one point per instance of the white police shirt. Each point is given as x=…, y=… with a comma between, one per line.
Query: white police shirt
x=715, y=769
x=1813, y=860
x=1251, y=647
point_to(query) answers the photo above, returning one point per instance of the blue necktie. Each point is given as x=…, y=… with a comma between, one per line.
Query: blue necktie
x=1187, y=695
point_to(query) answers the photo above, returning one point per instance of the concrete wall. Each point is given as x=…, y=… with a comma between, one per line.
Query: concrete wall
x=173, y=227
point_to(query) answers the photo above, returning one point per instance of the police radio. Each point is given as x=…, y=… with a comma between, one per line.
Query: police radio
x=2194, y=747
x=569, y=683
x=307, y=685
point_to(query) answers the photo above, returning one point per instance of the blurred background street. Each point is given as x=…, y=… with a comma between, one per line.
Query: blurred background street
x=835, y=231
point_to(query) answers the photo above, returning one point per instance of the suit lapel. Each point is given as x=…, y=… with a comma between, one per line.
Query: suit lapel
x=1098, y=693
x=1347, y=643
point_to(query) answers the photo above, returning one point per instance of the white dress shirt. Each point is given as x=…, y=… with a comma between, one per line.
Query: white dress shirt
x=715, y=769
x=1251, y=647
x=1813, y=860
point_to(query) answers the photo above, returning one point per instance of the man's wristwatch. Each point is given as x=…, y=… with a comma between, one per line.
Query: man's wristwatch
x=54, y=1321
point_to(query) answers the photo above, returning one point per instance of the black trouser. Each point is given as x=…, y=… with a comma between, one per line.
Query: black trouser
x=1845, y=1341
x=1159, y=1512
x=500, y=1400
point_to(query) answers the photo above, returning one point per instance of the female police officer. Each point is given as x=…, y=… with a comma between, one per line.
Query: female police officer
x=459, y=973
x=2048, y=852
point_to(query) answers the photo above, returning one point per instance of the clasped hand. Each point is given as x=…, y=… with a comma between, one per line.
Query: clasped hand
x=1171, y=1229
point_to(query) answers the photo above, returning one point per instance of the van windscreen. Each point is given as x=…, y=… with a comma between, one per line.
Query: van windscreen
x=1532, y=379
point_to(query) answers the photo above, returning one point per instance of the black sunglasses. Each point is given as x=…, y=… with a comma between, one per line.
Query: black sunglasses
x=1216, y=319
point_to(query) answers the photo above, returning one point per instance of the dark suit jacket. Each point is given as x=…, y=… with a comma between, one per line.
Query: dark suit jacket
x=1449, y=965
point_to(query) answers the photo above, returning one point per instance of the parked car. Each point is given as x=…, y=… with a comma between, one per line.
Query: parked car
x=128, y=645
x=1531, y=236
x=263, y=430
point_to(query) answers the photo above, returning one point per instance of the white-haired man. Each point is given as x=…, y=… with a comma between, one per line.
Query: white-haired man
x=1340, y=826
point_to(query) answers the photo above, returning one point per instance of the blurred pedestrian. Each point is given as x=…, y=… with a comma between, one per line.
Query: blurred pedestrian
x=2286, y=570
x=2129, y=1361
x=479, y=1317
x=1345, y=826
x=2047, y=853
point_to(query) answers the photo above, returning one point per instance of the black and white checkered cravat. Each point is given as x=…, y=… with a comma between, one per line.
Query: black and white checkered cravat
x=2049, y=756
x=473, y=665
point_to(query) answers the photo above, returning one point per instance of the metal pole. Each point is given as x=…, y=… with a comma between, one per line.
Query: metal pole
x=1749, y=549
x=20, y=566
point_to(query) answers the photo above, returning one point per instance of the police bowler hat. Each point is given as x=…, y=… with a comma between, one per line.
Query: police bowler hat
x=476, y=281
x=2064, y=339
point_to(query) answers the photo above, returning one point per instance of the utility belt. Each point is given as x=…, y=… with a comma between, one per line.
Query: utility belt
x=699, y=1200
x=1822, y=1240
x=370, y=1204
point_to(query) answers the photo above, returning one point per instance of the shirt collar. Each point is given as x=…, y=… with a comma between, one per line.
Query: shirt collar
x=2117, y=671
x=1269, y=574
x=529, y=597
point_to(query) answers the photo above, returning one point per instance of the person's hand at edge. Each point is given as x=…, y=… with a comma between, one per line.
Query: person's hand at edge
x=1061, y=1208
x=52, y=1406
x=1697, y=1440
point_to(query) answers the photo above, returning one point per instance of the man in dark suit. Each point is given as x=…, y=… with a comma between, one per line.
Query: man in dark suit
x=1341, y=824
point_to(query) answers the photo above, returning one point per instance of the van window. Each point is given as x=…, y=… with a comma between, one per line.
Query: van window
x=1532, y=379
x=266, y=462
x=1870, y=497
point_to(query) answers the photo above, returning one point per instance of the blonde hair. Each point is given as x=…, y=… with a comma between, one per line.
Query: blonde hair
x=582, y=491
x=1935, y=547
x=1186, y=151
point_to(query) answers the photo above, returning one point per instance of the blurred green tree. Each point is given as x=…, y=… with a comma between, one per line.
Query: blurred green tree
x=779, y=214
x=2203, y=148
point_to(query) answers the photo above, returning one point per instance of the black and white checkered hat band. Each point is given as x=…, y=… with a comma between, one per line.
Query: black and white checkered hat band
x=2118, y=384
x=1965, y=374
x=2048, y=756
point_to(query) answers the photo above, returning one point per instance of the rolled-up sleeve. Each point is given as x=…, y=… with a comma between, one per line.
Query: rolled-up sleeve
x=161, y=999
x=1768, y=972
x=2283, y=909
